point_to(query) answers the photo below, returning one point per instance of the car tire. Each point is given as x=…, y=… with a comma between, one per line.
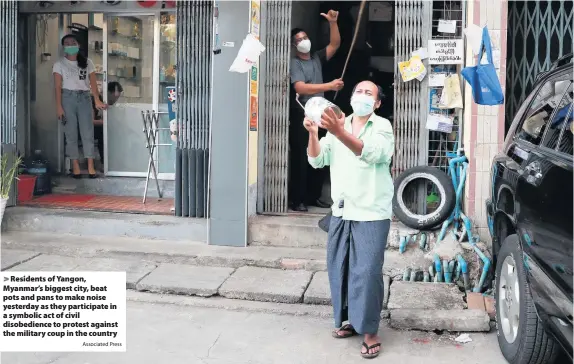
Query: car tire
x=531, y=343
x=445, y=189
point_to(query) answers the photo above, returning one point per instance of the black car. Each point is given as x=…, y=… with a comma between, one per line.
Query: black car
x=530, y=221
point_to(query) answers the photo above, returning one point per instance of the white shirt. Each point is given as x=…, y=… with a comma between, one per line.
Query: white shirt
x=73, y=77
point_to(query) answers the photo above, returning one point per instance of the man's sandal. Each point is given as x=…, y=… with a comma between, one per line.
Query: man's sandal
x=368, y=355
x=346, y=331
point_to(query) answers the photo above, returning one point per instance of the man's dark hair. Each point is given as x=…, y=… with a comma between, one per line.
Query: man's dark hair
x=380, y=93
x=115, y=85
x=294, y=32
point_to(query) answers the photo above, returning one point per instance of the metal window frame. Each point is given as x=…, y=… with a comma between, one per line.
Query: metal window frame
x=155, y=87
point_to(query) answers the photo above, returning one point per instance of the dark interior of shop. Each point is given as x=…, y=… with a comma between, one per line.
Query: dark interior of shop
x=372, y=57
x=373, y=53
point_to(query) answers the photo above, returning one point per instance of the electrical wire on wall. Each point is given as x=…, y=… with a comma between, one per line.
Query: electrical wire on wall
x=42, y=30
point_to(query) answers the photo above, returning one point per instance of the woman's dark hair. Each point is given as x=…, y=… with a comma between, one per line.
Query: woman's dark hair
x=82, y=60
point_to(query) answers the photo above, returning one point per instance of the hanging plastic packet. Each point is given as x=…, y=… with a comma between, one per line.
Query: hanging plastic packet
x=439, y=122
x=451, y=96
x=248, y=54
x=413, y=68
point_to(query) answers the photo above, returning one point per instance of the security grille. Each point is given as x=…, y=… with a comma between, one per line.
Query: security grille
x=416, y=23
x=539, y=32
x=276, y=104
x=8, y=82
x=412, y=31
x=439, y=144
x=193, y=83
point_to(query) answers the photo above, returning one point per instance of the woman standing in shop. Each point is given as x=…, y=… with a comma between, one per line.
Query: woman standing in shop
x=75, y=81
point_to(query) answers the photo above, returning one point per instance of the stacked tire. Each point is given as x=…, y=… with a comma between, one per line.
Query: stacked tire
x=445, y=191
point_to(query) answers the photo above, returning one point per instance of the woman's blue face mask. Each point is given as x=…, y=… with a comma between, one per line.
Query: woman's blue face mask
x=71, y=50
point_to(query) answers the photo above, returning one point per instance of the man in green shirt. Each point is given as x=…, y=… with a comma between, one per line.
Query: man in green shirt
x=358, y=149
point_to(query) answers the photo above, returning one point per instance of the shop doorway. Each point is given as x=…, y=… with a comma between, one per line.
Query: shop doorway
x=388, y=34
x=372, y=59
x=134, y=59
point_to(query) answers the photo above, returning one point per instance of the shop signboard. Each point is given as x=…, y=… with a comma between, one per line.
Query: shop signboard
x=446, y=51
x=94, y=6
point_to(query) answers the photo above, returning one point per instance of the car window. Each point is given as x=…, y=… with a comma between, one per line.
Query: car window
x=565, y=143
x=551, y=96
x=562, y=116
x=516, y=120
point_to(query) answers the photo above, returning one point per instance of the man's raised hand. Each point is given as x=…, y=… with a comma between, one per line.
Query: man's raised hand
x=331, y=16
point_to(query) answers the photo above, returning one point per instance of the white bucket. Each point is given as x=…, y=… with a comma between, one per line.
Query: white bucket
x=315, y=107
x=3, y=202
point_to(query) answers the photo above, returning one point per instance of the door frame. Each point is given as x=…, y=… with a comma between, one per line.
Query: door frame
x=155, y=90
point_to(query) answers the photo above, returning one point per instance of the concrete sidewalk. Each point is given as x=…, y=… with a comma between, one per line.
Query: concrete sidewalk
x=253, y=274
x=194, y=253
x=176, y=330
x=246, y=282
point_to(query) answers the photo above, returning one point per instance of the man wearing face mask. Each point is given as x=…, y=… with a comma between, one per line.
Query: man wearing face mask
x=359, y=149
x=307, y=80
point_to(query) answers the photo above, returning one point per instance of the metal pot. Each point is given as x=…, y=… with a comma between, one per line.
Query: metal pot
x=317, y=105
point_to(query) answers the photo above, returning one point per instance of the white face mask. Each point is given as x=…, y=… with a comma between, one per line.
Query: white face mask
x=304, y=46
x=362, y=105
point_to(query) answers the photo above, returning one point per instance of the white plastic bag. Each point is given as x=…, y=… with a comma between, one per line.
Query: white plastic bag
x=248, y=54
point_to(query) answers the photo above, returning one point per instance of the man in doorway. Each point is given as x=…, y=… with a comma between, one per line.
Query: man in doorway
x=359, y=149
x=307, y=80
x=115, y=90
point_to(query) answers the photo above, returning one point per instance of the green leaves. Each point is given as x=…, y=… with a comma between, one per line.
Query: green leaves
x=7, y=174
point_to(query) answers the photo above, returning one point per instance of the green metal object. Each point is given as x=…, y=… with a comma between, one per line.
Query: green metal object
x=426, y=277
x=432, y=198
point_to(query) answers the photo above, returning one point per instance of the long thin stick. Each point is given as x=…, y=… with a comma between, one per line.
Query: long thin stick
x=359, y=17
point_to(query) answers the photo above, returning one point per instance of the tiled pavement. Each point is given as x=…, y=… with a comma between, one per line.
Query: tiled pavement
x=128, y=204
x=247, y=282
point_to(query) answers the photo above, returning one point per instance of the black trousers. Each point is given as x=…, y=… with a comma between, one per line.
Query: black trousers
x=99, y=135
x=306, y=183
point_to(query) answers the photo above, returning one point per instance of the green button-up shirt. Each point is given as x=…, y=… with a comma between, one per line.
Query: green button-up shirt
x=363, y=182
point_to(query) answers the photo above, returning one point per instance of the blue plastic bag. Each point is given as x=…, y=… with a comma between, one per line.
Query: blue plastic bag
x=483, y=80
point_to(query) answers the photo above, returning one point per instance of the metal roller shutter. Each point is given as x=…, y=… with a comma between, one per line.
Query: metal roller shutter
x=276, y=104
x=194, y=57
x=412, y=31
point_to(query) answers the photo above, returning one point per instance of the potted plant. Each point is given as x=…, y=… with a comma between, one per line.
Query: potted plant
x=7, y=175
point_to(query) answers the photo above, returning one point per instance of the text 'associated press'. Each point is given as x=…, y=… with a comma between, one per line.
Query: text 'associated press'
x=63, y=311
